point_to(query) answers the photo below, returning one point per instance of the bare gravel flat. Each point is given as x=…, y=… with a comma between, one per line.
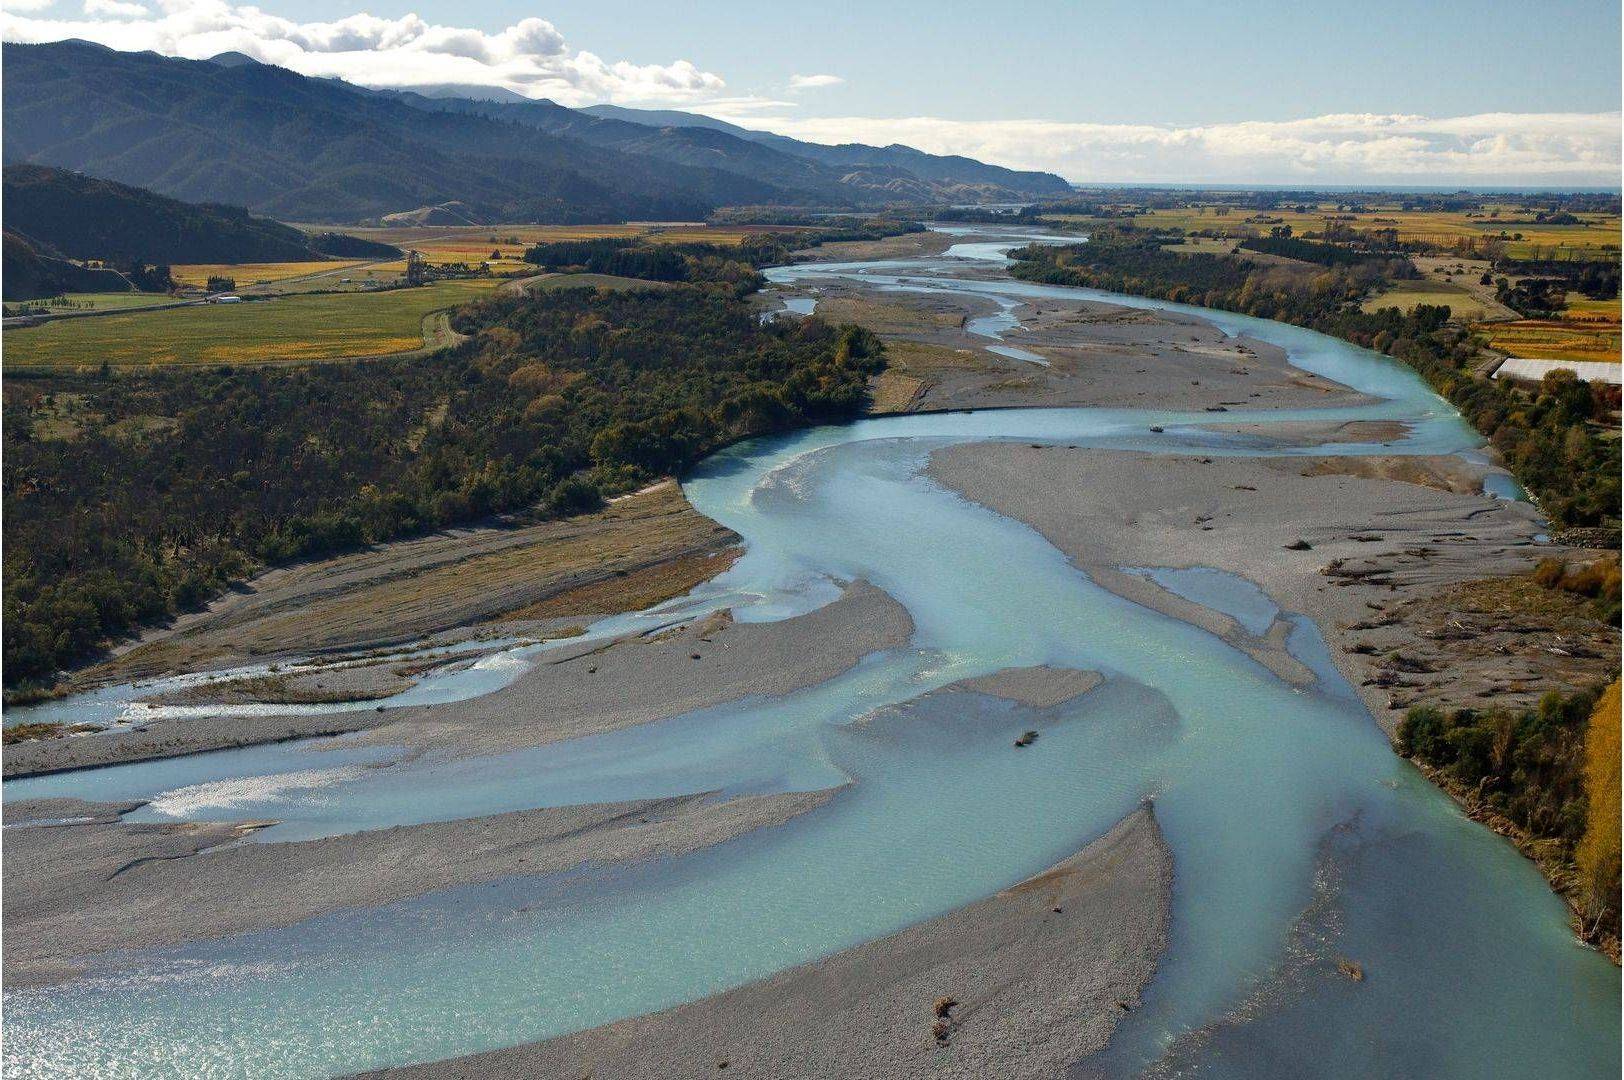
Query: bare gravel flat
x=576, y=691
x=72, y=890
x=1342, y=544
x=1040, y=975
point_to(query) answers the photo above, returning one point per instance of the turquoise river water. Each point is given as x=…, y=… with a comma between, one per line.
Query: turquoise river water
x=1297, y=834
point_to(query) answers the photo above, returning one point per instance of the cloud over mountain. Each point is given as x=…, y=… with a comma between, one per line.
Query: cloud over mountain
x=530, y=56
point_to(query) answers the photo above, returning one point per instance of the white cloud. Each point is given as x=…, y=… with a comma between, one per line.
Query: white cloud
x=1510, y=148
x=116, y=9
x=530, y=57
x=813, y=82
x=25, y=5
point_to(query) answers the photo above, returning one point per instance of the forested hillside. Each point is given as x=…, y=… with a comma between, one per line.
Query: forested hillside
x=850, y=171
x=84, y=217
x=250, y=134
x=31, y=270
x=304, y=149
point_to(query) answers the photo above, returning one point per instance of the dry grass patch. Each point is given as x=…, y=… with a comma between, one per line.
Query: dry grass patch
x=893, y=392
x=632, y=590
x=887, y=318
x=413, y=588
x=1439, y=474
x=245, y=274
x=1406, y=295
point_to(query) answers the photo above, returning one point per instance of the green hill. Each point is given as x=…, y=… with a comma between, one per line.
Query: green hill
x=53, y=215
x=84, y=217
x=231, y=130
x=29, y=272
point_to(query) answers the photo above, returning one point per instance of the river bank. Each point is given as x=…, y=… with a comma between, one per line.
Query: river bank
x=443, y=587
x=569, y=692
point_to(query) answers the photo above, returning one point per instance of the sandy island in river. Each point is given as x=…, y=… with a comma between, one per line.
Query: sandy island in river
x=573, y=691
x=171, y=884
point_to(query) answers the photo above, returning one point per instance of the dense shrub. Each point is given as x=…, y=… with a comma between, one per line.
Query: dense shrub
x=1527, y=765
x=1553, y=771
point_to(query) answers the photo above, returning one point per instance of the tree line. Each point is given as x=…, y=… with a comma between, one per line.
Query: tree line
x=650, y=259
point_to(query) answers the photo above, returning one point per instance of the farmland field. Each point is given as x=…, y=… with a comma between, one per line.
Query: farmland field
x=1583, y=309
x=1544, y=339
x=106, y=301
x=1407, y=294
x=441, y=244
x=245, y=274
x=1203, y=245
x=1597, y=234
x=295, y=328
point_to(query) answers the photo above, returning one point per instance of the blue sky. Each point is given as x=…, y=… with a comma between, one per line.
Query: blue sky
x=1259, y=91
x=1176, y=62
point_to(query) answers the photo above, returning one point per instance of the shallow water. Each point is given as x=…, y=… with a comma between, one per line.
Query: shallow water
x=1295, y=831
x=1234, y=596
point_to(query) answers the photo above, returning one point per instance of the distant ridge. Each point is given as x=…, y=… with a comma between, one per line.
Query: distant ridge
x=469, y=91
x=946, y=168
x=235, y=131
x=304, y=149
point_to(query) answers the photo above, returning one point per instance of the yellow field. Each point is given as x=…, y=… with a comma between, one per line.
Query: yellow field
x=245, y=274
x=1599, y=234
x=1541, y=339
x=1583, y=309
x=442, y=244
x=1407, y=294
x=294, y=328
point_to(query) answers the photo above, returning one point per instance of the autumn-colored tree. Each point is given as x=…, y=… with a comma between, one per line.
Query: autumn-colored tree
x=1598, y=851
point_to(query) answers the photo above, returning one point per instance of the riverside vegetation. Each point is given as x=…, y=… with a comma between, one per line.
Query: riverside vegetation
x=1549, y=436
x=1552, y=773
x=132, y=496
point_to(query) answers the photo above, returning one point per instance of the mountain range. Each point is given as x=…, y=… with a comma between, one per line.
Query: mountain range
x=232, y=130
